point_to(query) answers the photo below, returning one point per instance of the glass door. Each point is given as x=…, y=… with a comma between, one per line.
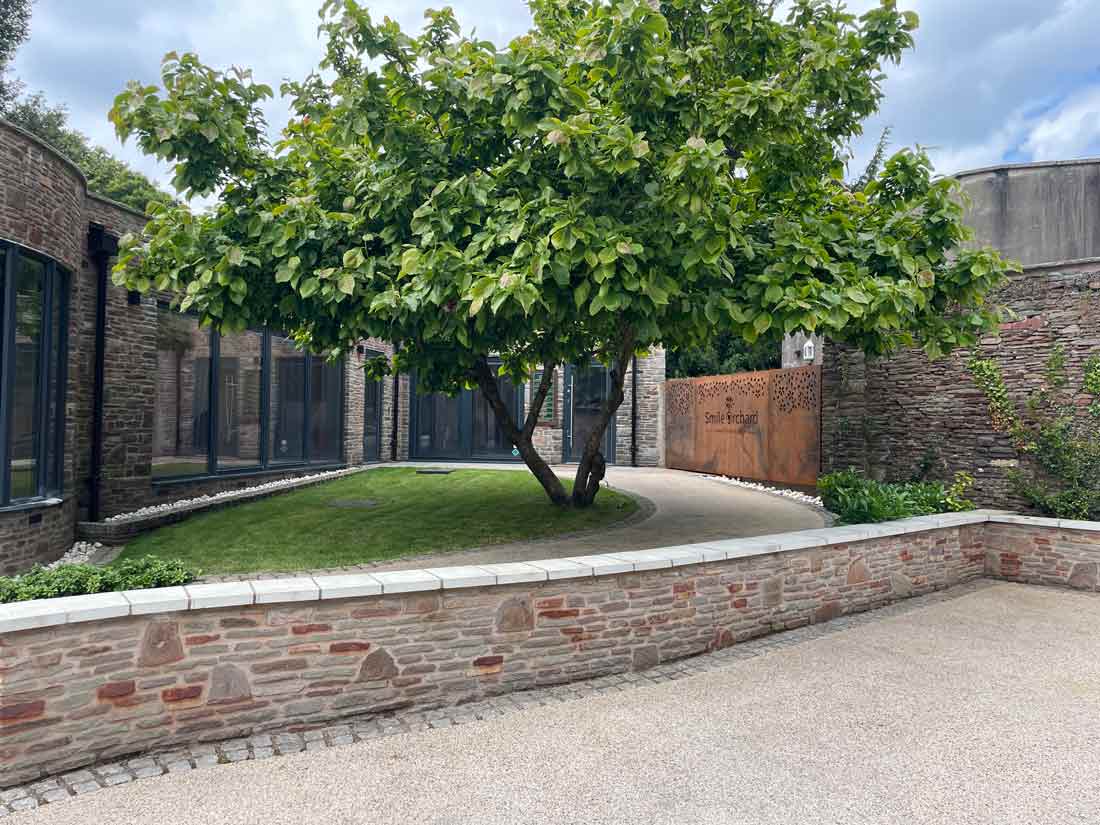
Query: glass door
x=372, y=417
x=586, y=388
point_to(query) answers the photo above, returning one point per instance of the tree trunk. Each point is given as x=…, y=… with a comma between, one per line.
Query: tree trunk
x=522, y=438
x=593, y=465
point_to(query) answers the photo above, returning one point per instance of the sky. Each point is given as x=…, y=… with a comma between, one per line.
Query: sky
x=988, y=81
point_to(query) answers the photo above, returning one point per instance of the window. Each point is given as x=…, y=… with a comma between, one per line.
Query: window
x=33, y=321
x=463, y=426
x=241, y=402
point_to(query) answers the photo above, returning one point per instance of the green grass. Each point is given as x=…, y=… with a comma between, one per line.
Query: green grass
x=307, y=529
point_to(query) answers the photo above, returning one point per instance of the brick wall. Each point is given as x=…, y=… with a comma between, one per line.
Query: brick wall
x=901, y=417
x=86, y=691
x=41, y=203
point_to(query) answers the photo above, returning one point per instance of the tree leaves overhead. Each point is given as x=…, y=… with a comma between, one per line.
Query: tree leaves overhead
x=631, y=170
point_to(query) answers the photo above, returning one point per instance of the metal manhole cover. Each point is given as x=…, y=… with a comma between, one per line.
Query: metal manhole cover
x=434, y=472
x=353, y=503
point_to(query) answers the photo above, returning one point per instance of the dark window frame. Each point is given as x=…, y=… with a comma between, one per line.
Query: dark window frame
x=49, y=475
x=267, y=465
x=466, y=451
x=375, y=454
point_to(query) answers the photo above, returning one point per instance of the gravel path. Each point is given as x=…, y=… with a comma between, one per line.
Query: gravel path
x=974, y=706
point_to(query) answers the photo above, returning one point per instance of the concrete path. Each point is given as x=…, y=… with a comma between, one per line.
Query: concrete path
x=975, y=706
x=679, y=508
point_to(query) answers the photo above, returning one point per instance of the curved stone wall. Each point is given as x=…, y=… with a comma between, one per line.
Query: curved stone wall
x=89, y=678
x=41, y=198
x=1037, y=213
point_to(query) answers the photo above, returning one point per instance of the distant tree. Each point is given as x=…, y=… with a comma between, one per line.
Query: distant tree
x=106, y=174
x=874, y=165
x=724, y=354
x=15, y=22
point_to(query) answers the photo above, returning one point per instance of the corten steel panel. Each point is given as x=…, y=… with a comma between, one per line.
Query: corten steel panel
x=761, y=425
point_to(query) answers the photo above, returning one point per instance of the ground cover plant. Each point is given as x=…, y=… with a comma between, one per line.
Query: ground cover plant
x=135, y=573
x=386, y=513
x=629, y=173
x=856, y=499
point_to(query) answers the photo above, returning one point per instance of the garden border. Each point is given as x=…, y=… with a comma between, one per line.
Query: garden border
x=41, y=613
x=91, y=678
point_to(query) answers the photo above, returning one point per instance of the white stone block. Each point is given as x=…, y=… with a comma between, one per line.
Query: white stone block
x=515, y=572
x=157, y=600
x=276, y=591
x=348, y=586
x=563, y=568
x=219, y=594
x=407, y=581
x=604, y=565
x=93, y=606
x=463, y=576
x=30, y=615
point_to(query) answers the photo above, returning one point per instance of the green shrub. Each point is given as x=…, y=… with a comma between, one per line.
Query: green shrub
x=856, y=499
x=81, y=579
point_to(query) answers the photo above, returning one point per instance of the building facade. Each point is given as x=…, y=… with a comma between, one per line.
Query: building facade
x=111, y=401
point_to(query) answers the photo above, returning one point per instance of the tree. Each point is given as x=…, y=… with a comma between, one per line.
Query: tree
x=15, y=23
x=630, y=172
x=725, y=353
x=106, y=174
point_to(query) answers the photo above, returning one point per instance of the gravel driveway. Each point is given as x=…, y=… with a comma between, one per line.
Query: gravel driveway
x=980, y=707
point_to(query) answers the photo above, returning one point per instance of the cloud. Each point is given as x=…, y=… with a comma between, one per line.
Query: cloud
x=989, y=80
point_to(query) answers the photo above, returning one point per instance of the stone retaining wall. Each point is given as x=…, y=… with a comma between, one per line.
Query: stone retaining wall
x=96, y=677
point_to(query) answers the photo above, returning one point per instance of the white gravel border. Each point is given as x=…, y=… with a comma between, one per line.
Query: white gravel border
x=240, y=492
x=813, y=501
x=80, y=553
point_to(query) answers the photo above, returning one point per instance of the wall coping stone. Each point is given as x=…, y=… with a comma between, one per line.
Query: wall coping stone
x=40, y=613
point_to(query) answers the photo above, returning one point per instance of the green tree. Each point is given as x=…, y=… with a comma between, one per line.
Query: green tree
x=628, y=173
x=724, y=354
x=15, y=23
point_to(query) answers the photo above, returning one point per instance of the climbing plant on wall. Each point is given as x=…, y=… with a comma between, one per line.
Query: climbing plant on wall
x=1058, y=447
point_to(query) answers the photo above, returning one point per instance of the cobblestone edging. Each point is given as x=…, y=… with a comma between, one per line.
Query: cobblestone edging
x=297, y=739
x=121, y=528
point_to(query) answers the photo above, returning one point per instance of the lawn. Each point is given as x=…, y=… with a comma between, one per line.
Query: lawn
x=379, y=514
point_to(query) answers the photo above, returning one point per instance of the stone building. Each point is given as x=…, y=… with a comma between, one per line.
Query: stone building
x=110, y=400
x=903, y=417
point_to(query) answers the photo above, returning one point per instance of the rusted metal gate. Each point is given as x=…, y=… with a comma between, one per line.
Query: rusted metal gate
x=761, y=425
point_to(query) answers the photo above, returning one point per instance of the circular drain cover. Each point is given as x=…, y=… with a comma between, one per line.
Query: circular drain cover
x=353, y=503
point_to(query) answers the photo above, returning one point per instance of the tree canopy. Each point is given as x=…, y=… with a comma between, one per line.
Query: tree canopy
x=629, y=173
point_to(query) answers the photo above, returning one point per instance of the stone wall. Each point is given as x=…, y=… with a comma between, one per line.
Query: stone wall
x=903, y=417
x=42, y=198
x=95, y=677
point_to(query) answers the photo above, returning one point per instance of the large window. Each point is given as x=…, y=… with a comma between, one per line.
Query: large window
x=241, y=402
x=33, y=323
x=463, y=426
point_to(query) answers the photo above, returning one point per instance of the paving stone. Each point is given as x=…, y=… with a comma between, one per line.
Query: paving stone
x=86, y=787
x=207, y=760
x=55, y=795
x=148, y=771
x=117, y=779
x=262, y=753
x=26, y=803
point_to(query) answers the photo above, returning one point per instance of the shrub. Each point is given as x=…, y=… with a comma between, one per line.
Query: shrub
x=856, y=499
x=81, y=579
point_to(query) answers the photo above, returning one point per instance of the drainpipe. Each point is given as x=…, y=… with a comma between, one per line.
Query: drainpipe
x=101, y=248
x=396, y=396
x=634, y=412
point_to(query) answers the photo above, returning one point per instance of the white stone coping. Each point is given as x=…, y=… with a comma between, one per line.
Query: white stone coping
x=71, y=609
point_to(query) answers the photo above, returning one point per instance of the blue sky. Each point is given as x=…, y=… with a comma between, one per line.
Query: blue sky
x=989, y=80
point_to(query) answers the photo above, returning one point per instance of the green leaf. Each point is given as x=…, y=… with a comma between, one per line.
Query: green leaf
x=762, y=323
x=580, y=293
x=308, y=287
x=347, y=283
